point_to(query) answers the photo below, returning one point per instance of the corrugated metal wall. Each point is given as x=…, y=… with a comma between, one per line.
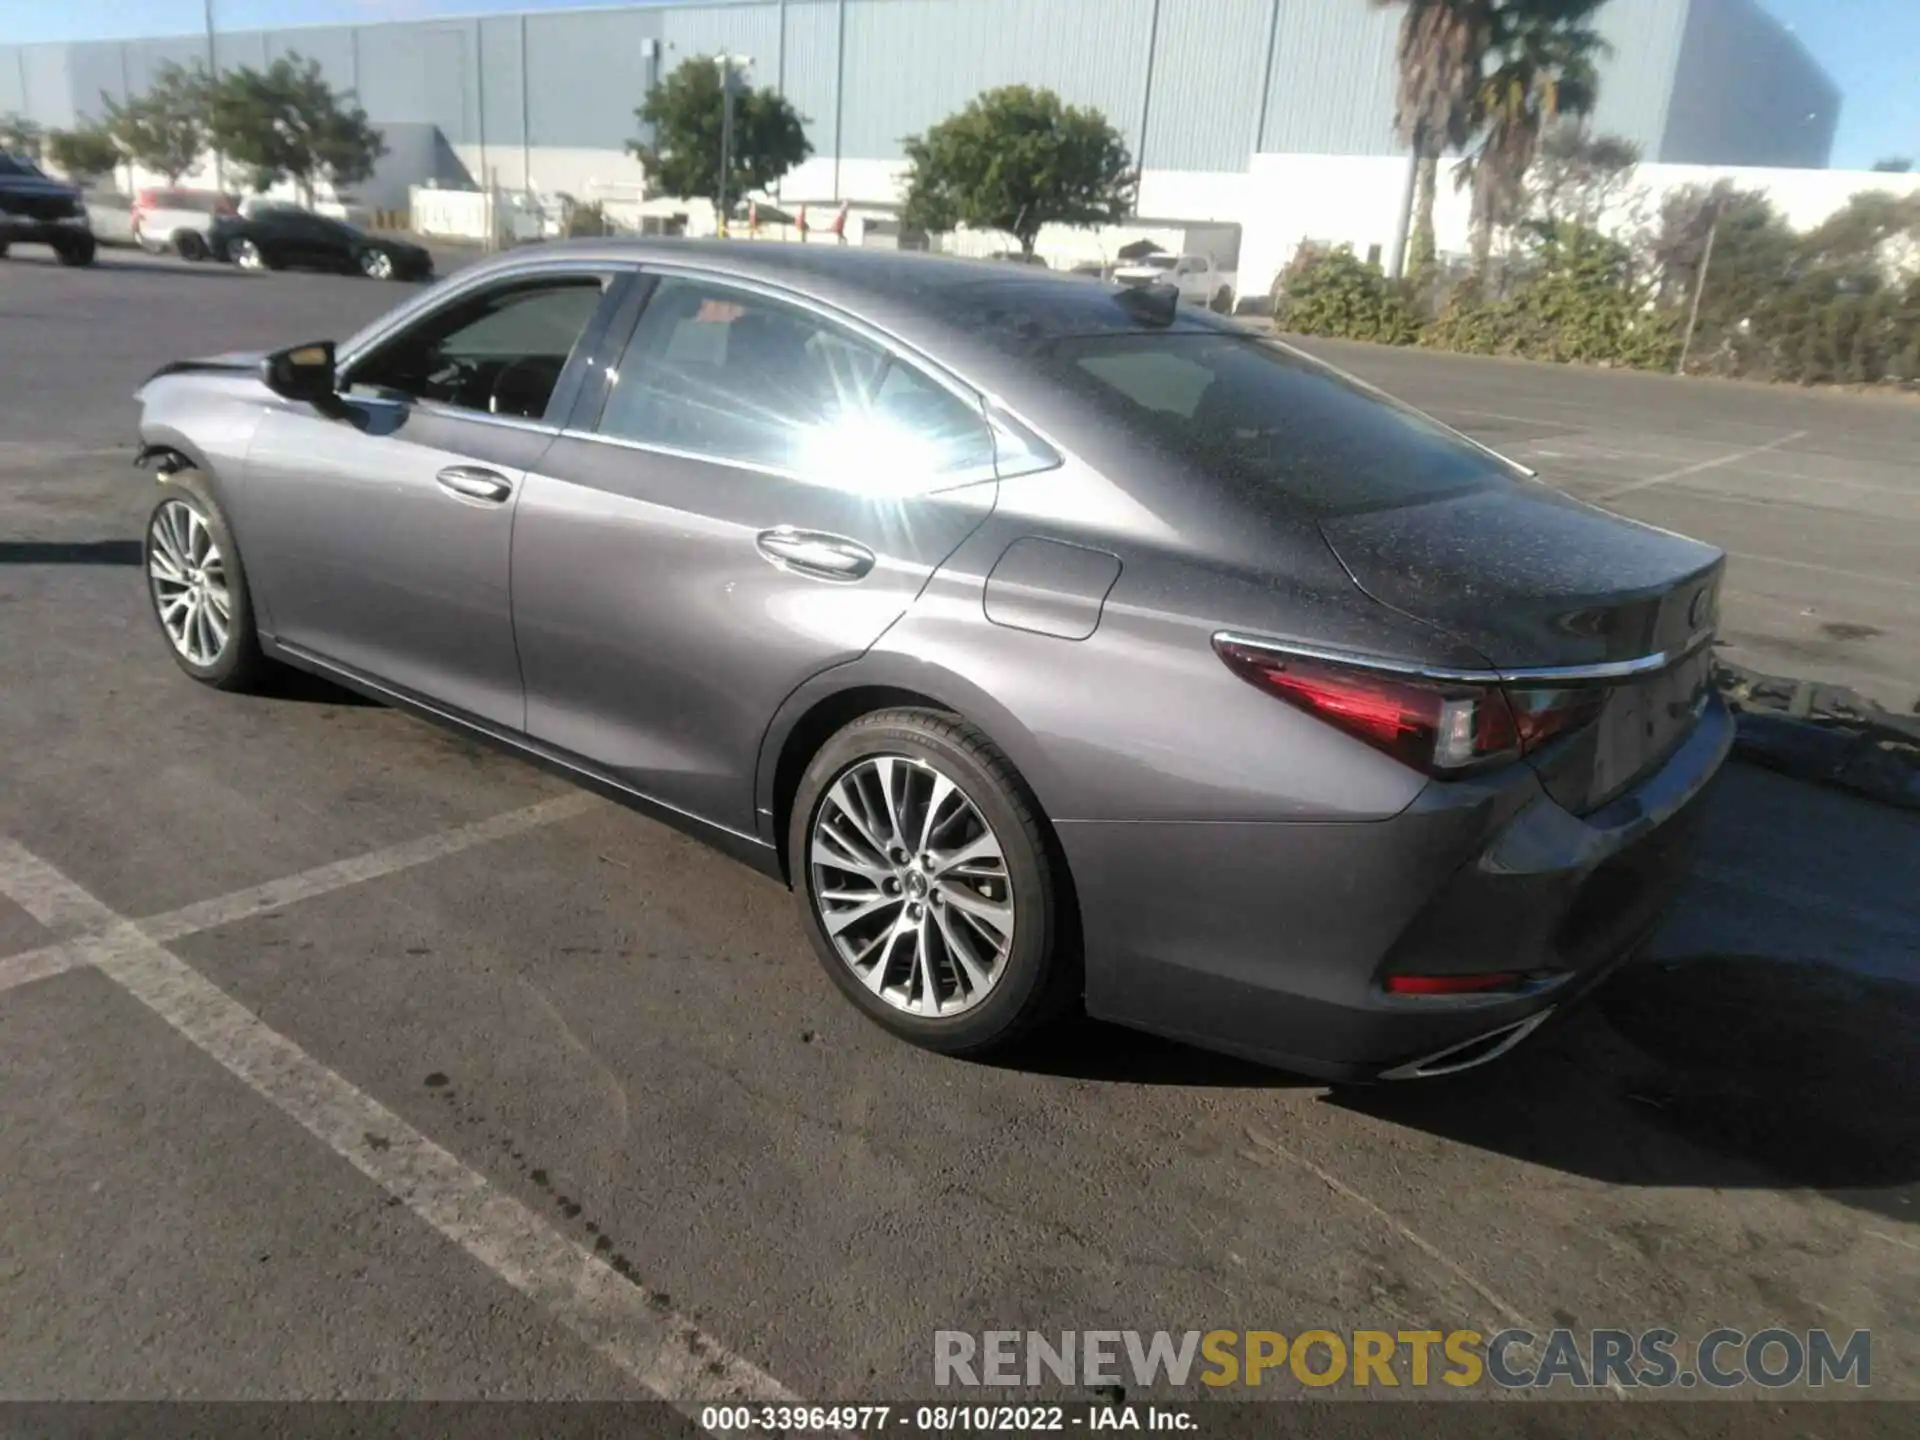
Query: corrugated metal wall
x=1638, y=77
x=1747, y=93
x=574, y=79
x=1330, y=90
x=1207, y=57
x=910, y=63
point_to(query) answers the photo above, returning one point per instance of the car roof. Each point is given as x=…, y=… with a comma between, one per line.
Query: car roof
x=957, y=308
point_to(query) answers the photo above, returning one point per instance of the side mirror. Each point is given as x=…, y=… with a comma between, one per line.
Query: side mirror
x=302, y=372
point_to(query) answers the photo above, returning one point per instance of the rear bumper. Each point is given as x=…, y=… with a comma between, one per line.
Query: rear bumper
x=1273, y=940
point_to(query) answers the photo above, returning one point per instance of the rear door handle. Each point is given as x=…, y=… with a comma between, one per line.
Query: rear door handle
x=830, y=557
x=476, y=483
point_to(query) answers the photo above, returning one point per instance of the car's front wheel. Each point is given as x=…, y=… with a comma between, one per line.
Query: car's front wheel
x=249, y=256
x=376, y=264
x=198, y=588
x=927, y=884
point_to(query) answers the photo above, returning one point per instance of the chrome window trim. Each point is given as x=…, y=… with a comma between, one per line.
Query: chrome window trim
x=1524, y=675
x=959, y=480
x=455, y=412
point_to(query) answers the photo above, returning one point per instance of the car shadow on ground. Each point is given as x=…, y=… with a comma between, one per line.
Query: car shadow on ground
x=1715, y=1070
x=69, y=552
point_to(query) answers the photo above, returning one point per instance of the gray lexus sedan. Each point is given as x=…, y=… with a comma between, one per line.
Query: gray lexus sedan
x=1056, y=644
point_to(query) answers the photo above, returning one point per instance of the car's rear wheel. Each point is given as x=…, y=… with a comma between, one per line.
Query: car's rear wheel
x=75, y=250
x=926, y=883
x=198, y=588
x=249, y=256
x=191, y=246
x=1223, y=301
x=376, y=264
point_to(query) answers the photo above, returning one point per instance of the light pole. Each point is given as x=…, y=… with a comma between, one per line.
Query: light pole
x=728, y=64
x=213, y=74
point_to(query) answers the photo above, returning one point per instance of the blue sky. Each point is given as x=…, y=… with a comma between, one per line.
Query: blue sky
x=1871, y=47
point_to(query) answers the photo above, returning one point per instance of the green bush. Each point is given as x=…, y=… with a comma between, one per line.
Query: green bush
x=1336, y=294
x=1810, y=309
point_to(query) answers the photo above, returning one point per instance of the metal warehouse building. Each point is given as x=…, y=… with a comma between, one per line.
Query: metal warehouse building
x=1218, y=99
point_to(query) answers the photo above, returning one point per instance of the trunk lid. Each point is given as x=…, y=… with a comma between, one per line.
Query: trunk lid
x=1534, y=580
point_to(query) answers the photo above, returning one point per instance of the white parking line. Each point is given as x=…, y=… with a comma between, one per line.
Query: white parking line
x=1893, y=580
x=1732, y=457
x=626, y=1323
x=49, y=960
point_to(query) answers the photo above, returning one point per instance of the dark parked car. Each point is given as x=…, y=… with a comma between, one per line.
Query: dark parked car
x=38, y=210
x=1053, y=641
x=279, y=236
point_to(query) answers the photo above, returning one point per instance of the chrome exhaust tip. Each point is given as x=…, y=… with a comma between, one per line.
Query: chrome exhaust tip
x=1467, y=1054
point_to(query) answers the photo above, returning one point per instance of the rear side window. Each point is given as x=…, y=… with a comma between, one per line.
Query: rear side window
x=737, y=376
x=1254, y=416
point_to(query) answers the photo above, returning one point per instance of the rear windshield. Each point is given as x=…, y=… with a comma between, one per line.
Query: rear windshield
x=1258, y=416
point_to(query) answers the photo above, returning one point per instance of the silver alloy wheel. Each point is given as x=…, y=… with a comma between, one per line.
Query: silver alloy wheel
x=378, y=264
x=189, y=582
x=247, y=255
x=911, y=885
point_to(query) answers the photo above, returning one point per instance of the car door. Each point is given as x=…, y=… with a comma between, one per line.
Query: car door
x=763, y=490
x=382, y=534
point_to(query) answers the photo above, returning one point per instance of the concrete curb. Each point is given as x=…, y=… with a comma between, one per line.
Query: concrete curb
x=1826, y=734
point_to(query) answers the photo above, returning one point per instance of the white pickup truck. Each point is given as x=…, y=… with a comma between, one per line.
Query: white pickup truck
x=1194, y=276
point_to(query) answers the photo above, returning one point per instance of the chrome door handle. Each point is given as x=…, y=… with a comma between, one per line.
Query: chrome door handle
x=831, y=557
x=475, y=482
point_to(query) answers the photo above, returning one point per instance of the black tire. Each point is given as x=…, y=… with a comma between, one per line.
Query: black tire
x=1039, y=978
x=1223, y=301
x=3, y=249
x=240, y=665
x=190, y=246
x=75, y=250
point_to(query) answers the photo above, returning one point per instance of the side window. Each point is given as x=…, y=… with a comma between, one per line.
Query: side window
x=739, y=377
x=499, y=352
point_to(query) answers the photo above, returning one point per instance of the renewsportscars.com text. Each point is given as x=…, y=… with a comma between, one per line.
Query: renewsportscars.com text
x=1514, y=1359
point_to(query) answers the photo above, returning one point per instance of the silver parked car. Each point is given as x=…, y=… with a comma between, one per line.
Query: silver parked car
x=1053, y=641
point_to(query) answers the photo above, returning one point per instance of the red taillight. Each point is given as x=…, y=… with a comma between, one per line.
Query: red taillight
x=1541, y=714
x=1440, y=727
x=1453, y=984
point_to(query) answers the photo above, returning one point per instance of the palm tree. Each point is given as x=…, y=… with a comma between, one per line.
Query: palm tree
x=1441, y=51
x=1544, y=56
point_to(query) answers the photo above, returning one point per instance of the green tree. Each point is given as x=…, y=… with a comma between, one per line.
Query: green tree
x=1544, y=54
x=164, y=129
x=287, y=123
x=683, y=117
x=20, y=136
x=1439, y=57
x=1577, y=174
x=85, y=153
x=1016, y=159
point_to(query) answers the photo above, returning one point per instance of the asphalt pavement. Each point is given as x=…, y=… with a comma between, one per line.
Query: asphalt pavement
x=420, y=1075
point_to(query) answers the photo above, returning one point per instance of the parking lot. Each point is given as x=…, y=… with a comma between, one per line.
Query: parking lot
x=419, y=1074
